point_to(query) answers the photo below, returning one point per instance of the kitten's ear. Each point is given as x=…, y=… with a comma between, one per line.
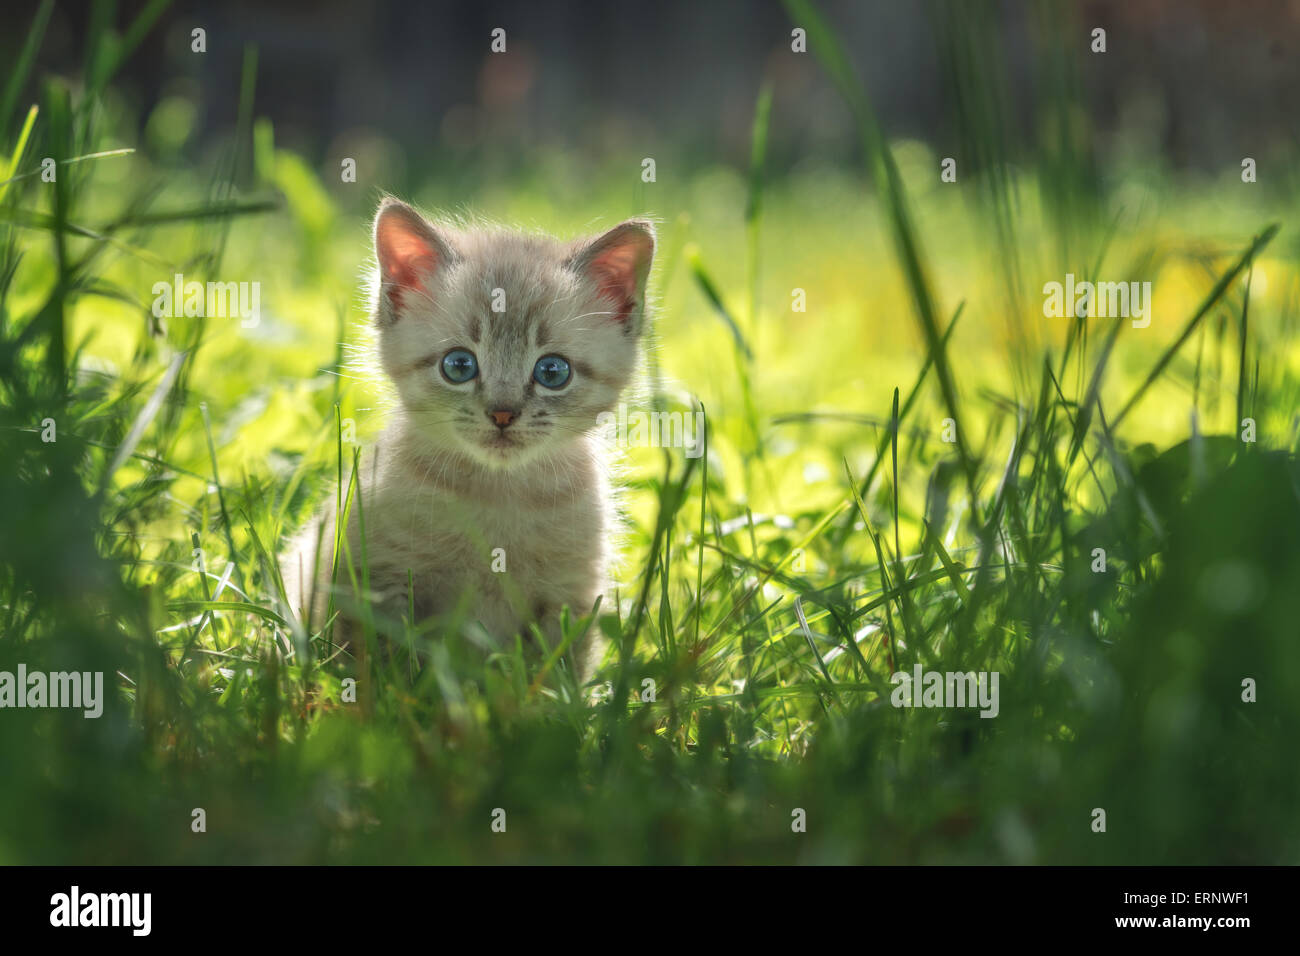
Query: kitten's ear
x=618, y=263
x=409, y=251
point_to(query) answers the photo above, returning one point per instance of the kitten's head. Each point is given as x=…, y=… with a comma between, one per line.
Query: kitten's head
x=504, y=346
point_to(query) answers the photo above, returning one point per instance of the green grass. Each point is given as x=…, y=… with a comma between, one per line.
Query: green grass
x=141, y=541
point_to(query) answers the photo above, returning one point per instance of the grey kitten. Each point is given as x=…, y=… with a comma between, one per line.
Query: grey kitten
x=504, y=348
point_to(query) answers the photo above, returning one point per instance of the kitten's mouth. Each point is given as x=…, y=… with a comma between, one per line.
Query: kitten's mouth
x=501, y=443
x=502, y=449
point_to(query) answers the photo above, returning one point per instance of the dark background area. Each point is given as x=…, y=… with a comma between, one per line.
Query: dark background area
x=1198, y=83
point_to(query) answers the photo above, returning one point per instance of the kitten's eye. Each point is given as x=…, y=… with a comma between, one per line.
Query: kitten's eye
x=459, y=365
x=551, y=371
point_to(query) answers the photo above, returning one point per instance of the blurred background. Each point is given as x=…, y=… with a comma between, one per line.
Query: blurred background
x=412, y=86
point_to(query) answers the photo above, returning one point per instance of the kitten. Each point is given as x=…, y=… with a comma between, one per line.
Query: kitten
x=503, y=349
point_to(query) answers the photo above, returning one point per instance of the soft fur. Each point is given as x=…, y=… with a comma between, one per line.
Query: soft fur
x=444, y=486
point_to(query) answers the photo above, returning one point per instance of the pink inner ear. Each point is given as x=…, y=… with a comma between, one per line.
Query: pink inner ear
x=615, y=274
x=405, y=257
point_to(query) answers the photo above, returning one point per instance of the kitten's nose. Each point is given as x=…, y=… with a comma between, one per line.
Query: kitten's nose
x=503, y=417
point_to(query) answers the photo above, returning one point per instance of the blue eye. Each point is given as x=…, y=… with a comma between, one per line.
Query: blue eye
x=459, y=365
x=551, y=371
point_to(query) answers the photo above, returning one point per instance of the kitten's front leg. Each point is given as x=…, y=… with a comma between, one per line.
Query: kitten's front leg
x=581, y=655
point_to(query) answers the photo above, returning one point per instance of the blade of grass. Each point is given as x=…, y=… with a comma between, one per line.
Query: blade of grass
x=889, y=186
x=22, y=66
x=1225, y=280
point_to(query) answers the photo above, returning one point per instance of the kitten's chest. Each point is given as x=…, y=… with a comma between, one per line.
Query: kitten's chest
x=508, y=558
x=538, y=541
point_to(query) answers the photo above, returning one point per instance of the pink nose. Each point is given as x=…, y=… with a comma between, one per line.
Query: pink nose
x=502, y=417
